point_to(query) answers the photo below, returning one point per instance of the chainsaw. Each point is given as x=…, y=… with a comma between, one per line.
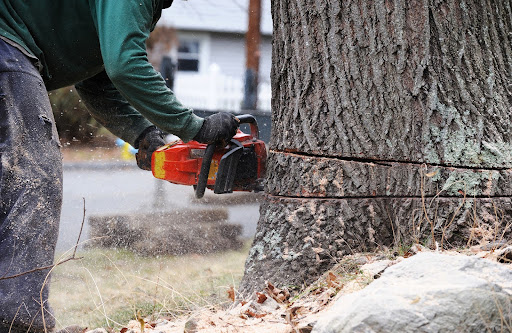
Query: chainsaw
x=237, y=166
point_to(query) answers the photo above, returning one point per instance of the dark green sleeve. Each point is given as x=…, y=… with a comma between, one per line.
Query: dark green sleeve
x=110, y=109
x=123, y=27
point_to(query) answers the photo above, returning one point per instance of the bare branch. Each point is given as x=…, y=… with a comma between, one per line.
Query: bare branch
x=39, y=268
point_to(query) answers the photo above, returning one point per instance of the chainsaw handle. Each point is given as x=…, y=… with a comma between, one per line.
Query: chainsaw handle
x=249, y=119
x=202, y=180
x=205, y=170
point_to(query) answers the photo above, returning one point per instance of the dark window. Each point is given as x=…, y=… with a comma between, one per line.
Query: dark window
x=188, y=65
x=188, y=56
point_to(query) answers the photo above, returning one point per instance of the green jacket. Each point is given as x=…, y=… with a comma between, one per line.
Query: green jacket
x=102, y=45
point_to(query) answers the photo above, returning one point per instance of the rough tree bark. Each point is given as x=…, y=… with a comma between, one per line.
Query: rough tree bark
x=391, y=124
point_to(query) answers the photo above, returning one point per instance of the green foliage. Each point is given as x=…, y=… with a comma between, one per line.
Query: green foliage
x=74, y=123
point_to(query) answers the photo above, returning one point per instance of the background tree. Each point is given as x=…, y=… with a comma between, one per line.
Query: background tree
x=391, y=125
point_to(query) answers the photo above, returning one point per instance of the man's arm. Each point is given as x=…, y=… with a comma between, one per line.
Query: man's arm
x=110, y=109
x=123, y=27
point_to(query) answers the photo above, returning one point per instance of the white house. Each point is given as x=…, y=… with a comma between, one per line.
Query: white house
x=211, y=53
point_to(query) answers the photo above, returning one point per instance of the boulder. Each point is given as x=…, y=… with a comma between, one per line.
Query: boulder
x=429, y=292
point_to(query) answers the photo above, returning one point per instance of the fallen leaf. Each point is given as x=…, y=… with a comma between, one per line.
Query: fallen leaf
x=231, y=293
x=331, y=280
x=261, y=297
x=123, y=330
x=325, y=297
x=294, y=310
x=279, y=295
x=253, y=314
x=290, y=316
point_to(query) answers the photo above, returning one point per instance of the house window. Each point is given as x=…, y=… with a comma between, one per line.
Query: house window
x=188, y=56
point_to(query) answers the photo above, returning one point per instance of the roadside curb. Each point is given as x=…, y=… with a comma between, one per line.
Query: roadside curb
x=104, y=165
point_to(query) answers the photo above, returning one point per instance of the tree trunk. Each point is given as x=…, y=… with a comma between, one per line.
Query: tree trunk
x=391, y=125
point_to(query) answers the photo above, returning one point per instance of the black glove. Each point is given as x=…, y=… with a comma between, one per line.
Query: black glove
x=149, y=141
x=220, y=127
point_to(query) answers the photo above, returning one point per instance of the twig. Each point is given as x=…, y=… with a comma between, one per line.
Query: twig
x=422, y=191
x=395, y=240
x=453, y=217
x=39, y=269
x=475, y=221
x=15, y=315
x=495, y=223
x=416, y=230
x=80, y=233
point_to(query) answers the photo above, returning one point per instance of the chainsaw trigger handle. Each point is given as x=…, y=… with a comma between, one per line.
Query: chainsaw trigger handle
x=227, y=168
x=249, y=119
x=205, y=170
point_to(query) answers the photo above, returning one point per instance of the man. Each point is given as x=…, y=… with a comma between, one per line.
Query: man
x=44, y=45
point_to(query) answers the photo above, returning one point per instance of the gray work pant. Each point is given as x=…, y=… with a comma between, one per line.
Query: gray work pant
x=30, y=191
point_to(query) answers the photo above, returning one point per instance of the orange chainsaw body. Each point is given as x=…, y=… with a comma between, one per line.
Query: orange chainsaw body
x=180, y=163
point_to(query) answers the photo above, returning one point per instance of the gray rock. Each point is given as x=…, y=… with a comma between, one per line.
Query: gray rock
x=429, y=292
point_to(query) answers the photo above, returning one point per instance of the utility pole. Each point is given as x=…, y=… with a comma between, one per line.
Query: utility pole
x=252, y=48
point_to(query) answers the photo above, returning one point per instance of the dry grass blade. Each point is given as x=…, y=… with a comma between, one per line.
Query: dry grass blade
x=453, y=217
x=422, y=190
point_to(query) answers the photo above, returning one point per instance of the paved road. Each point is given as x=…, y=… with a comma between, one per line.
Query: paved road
x=110, y=188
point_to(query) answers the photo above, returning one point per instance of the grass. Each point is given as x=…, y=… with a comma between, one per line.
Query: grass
x=108, y=287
